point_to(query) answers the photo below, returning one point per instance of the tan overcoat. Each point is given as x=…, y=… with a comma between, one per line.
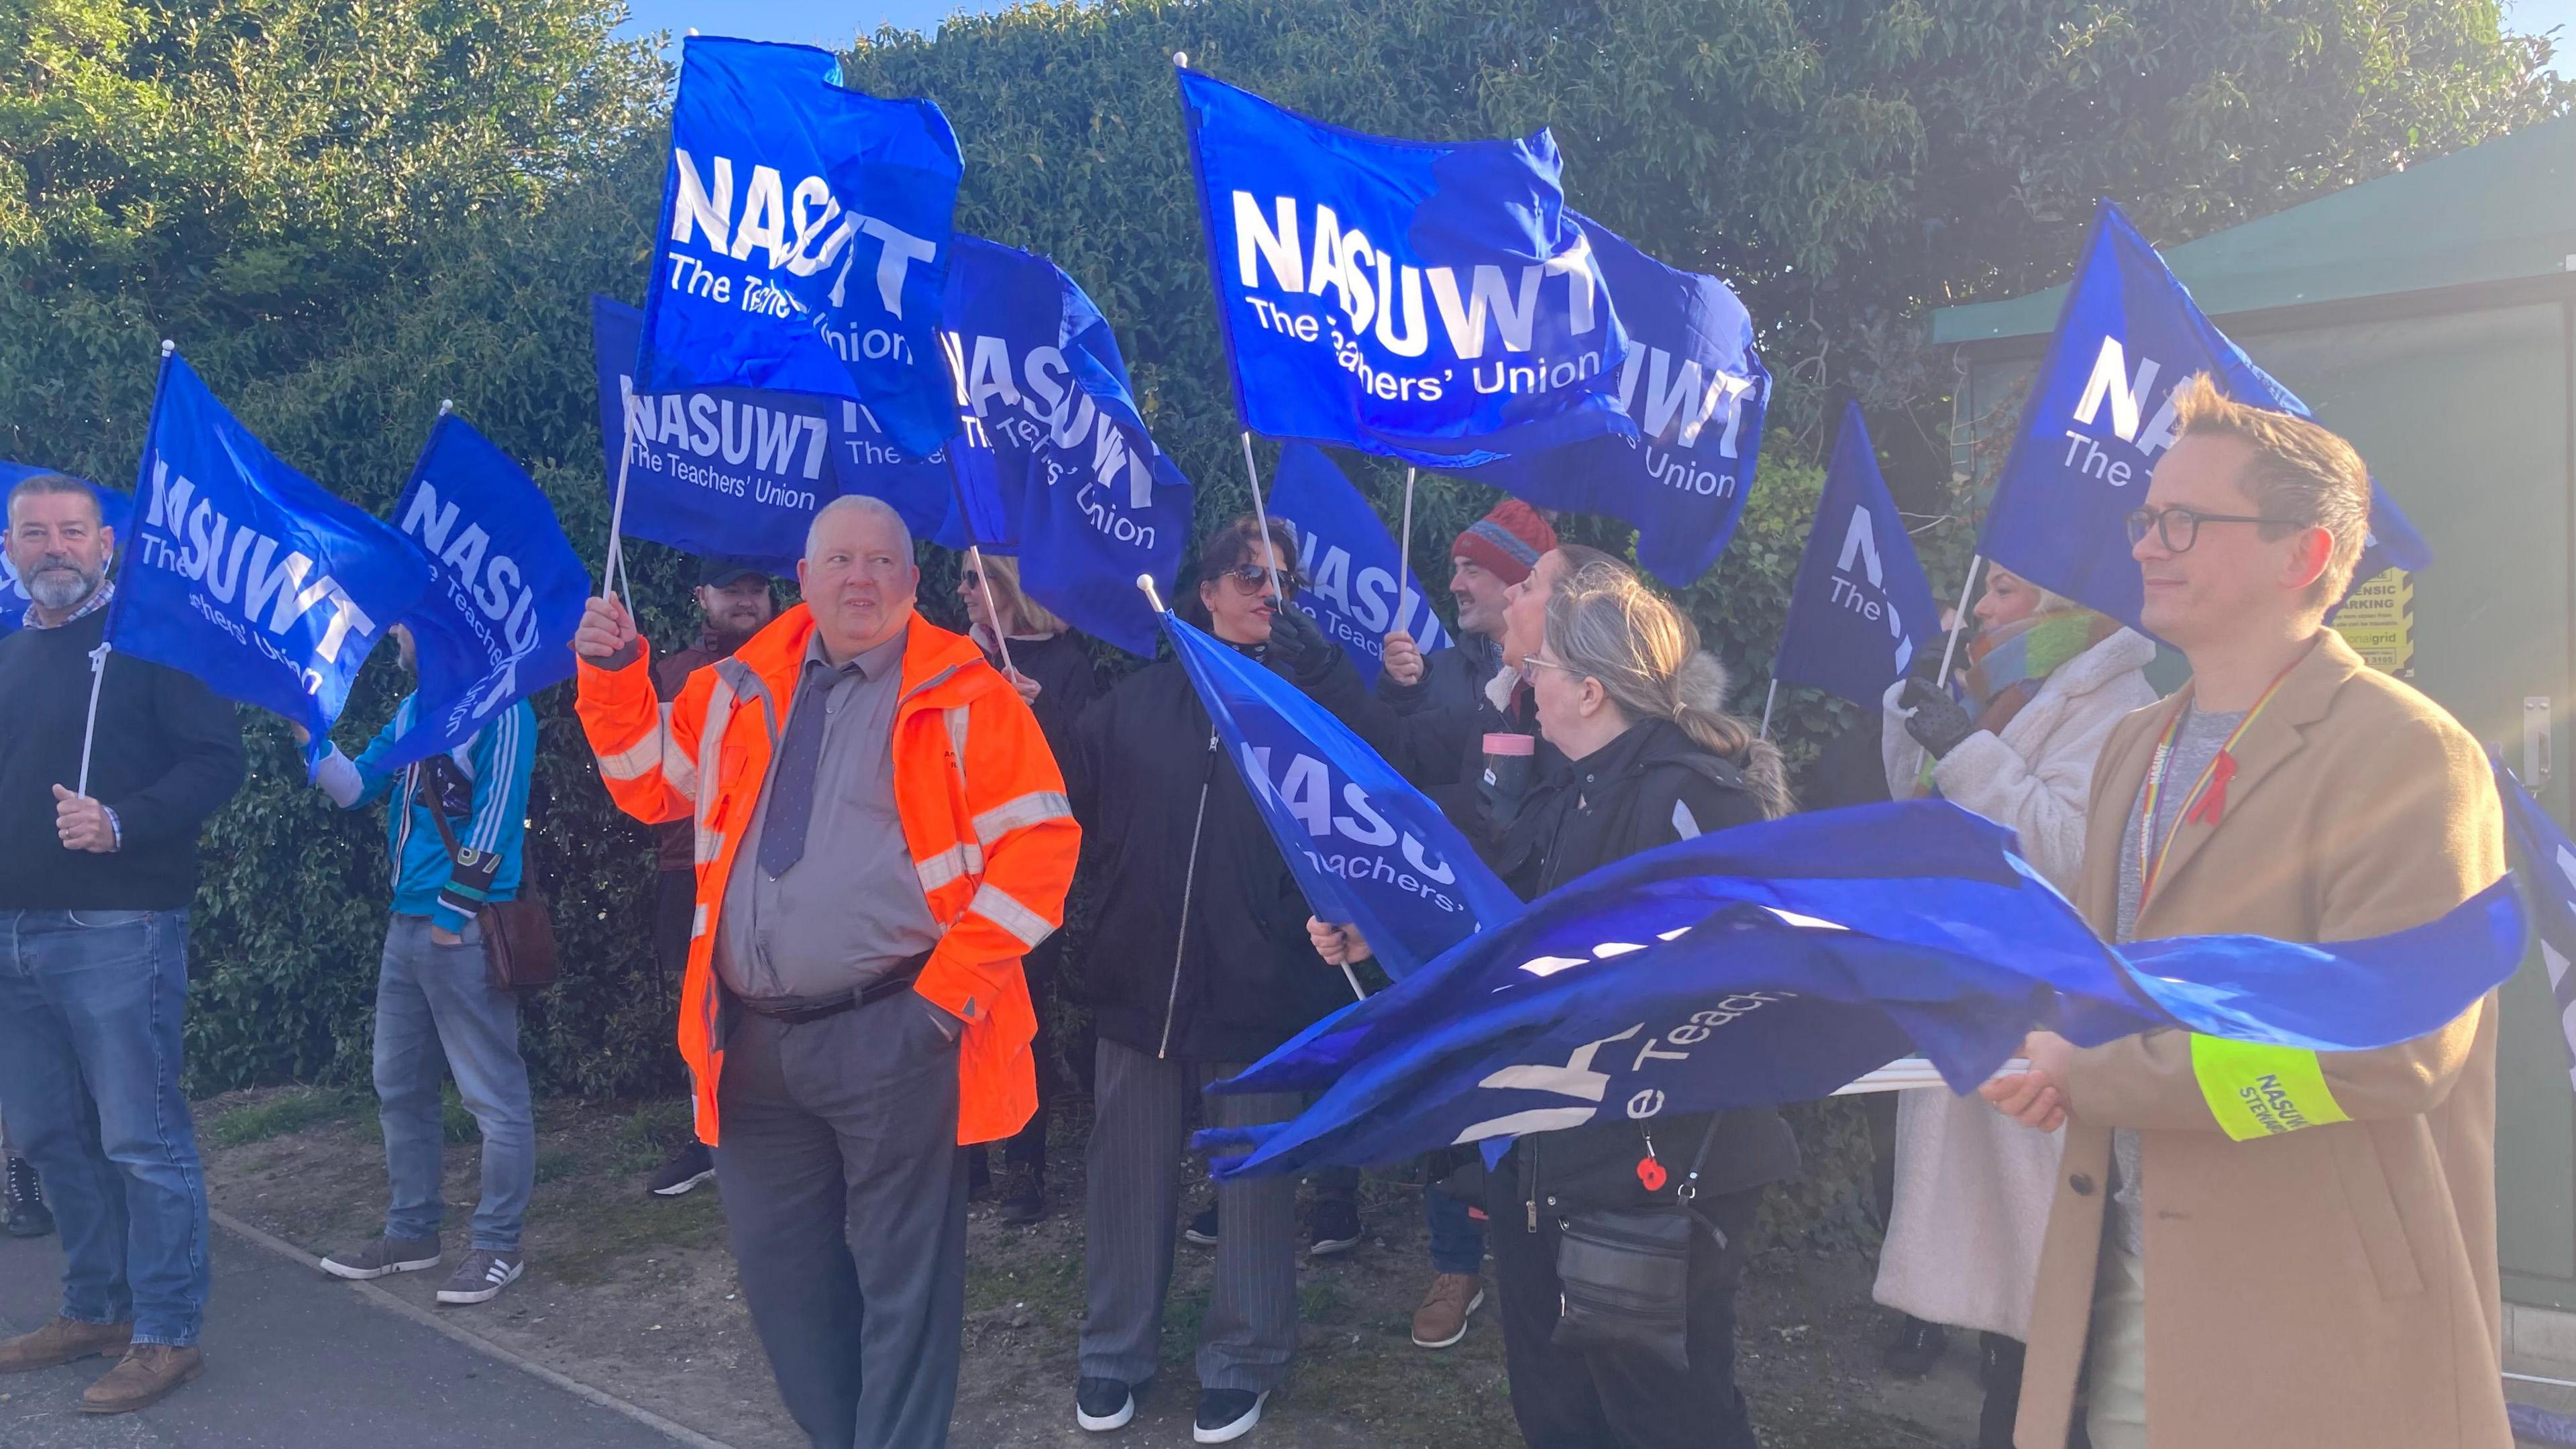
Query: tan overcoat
x=2336, y=1284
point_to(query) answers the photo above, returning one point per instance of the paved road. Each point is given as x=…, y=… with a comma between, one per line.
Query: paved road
x=296, y=1361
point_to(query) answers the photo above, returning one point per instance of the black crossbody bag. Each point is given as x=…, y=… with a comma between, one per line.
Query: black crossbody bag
x=1625, y=1272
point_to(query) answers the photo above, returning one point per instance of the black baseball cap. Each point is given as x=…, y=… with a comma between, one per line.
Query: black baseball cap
x=717, y=573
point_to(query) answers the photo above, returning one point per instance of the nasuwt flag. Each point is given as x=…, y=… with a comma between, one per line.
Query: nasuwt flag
x=803, y=239
x=2100, y=415
x=1694, y=389
x=1776, y=962
x=1368, y=849
x=1055, y=462
x=2545, y=862
x=1861, y=608
x=1432, y=301
x=247, y=574
x=1349, y=562
x=726, y=472
x=114, y=509
x=497, y=625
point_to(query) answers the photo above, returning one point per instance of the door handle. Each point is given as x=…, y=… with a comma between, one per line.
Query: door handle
x=2536, y=743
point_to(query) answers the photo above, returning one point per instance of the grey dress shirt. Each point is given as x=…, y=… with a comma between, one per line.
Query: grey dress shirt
x=851, y=909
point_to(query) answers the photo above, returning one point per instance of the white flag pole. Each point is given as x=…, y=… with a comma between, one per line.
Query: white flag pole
x=1958, y=621
x=1261, y=515
x=984, y=577
x=1404, y=548
x=1769, y=698
x=612, y=574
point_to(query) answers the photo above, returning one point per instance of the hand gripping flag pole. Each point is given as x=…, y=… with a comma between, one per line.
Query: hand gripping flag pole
x=1146, y=583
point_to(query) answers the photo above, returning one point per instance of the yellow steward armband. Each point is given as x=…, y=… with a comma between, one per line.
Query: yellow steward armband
x=2262, y=1091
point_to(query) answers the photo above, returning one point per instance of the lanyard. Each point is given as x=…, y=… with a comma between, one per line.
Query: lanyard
x=2207, y=800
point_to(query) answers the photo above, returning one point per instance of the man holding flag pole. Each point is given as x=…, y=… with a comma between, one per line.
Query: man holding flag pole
x=94, y=894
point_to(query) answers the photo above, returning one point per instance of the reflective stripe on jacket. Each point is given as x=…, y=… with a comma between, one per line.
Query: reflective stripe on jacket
x=984, y=818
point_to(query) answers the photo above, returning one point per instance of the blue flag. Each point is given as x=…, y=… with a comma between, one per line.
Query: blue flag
x=1776, y=962
x=114, y=510
x=1861, y=608
x=498, y=624
x=2100, y=414
x=1055, y=463
x=245, y=573
x=1349, y=561
x=2545, y=861
x=804, y=238
x=739, y=473
x=1694, y=390
x=1367, y=849
x=1466, y=318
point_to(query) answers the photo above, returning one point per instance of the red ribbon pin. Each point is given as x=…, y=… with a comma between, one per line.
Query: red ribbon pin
x=2213, y=801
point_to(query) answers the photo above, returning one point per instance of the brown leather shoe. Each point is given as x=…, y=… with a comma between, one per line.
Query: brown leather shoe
x=1442, y=1318
x=60, y=1342
x=146, y=1375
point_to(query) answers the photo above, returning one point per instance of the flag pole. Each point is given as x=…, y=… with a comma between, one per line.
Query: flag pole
x=1958, y=619
x=612, y=572
x=984, y=577
x=1769, y=698
x=1261, y=515
x=1404, y=548
x=98, y=656
x=1146, y=583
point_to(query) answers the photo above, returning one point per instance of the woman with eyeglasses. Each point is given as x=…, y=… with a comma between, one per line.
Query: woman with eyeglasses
x=2045, y=681
x=1622, y=688
x=1050, y=666
x=1198, y=965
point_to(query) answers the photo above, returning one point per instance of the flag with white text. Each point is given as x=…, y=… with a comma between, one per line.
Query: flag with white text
x=1349, y=562
x=803, y=238
x=247, y=574
x=1861, y=608
x=1431, y=301
x=497, y=625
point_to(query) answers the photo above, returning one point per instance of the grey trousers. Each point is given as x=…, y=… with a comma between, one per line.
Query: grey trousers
x=1139, y=1132
x=845, y=1196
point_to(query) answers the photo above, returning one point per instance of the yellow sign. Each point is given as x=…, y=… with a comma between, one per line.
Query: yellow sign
x=2378, y=621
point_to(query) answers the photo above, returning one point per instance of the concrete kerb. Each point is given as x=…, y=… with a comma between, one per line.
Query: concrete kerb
x=679, y=1433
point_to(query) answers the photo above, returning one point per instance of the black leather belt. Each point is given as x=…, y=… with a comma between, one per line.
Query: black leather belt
x=900, y=979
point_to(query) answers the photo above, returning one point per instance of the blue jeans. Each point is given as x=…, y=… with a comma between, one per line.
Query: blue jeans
x=435, y=1007
x=91, y=1004
x=1457, y=1240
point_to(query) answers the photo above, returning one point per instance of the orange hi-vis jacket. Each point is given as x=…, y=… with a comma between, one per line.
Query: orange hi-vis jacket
x=979, y=795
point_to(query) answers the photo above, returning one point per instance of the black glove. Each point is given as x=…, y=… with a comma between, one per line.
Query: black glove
x=1938, y=723
x=1298, y=649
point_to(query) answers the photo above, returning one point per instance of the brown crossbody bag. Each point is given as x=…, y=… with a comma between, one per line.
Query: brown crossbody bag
x=519, y=933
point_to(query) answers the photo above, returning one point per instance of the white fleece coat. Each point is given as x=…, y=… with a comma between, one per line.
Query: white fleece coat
x=1973, y=1188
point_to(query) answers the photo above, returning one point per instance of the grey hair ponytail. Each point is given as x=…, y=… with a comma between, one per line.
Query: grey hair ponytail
x=1605, y=624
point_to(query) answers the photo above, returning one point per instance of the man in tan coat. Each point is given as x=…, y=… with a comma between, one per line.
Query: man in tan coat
x=2253, y=1247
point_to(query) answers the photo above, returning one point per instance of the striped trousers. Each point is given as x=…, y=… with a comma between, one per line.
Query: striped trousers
x=1139, y=1133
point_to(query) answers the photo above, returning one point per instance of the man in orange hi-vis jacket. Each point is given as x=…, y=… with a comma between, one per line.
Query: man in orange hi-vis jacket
x=881, y=835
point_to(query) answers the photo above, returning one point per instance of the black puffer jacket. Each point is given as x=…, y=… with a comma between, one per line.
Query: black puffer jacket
x=1197, y=955
x=1439, y=718
x=1649, y=787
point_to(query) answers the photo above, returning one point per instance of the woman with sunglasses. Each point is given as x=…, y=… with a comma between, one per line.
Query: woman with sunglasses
x=1198, y=965
x=1050, y=666
x=1623, y=689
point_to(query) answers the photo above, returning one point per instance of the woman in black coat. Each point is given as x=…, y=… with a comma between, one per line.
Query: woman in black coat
x=1050, y=666
x=1198, y=965
x=1623, y=690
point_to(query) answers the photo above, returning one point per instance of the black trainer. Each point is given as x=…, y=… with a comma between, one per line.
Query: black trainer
x=1202, y=1229
x=1101, y=1405
x=1916, y=1348
x=1226, y=1414
x=28, y=1215
x=1337, y=1228
x=688, y=1167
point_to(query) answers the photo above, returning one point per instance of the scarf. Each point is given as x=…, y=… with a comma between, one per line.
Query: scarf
x=2007, y=667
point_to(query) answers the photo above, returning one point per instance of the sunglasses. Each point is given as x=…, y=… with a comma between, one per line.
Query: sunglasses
x=1253, y=578
x=971, y=579
x=2179, y=528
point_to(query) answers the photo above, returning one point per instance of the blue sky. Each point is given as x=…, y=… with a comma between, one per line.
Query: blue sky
x=833, y=22
x=816, y=22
